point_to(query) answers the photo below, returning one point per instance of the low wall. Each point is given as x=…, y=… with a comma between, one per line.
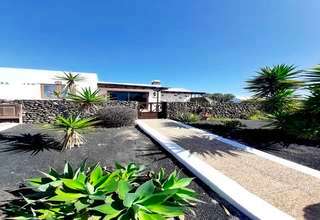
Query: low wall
x=224, y=110
x=45, y=111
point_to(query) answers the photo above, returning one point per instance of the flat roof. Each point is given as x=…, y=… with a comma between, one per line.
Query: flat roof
x=102, y=83
x=181, y=90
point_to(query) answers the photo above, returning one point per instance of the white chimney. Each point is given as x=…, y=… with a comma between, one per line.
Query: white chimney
x=155, y=82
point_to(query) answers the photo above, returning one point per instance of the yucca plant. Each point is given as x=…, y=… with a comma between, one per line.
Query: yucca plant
x=87, y=98
x=71, y=126
x=95, y=193
x=69, y=80
x=313, y=76
x=272, y=80
x=275, y=84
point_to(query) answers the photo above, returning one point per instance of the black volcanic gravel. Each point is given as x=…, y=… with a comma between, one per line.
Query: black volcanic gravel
x=26, y=149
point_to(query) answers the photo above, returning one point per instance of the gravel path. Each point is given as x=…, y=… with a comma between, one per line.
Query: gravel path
x=291, y=191
x=269, y=140
x=26, y=149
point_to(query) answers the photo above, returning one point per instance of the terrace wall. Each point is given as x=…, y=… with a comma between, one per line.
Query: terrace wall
x=221, y=110
x=45, y=111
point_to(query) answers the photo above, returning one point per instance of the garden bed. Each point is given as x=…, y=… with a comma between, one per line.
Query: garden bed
x=256, y=134
x=26, y=149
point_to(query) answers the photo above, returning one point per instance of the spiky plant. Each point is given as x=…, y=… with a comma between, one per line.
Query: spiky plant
x=70, y=80
x=274, y=83
x=272, y=80
x=71, y=126
x=87, y=98
x=313, y=76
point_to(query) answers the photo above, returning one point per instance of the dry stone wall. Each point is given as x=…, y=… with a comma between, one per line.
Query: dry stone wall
x=45, y=111
x=221, y=110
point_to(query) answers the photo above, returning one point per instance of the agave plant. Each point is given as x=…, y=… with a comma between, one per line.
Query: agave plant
x=272, y=80
x=313, y=76
x=70, y=80
x=94, y=193
x=71, y=126
x=88, y=99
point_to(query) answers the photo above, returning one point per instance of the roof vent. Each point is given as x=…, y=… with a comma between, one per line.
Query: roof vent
x=155, y=82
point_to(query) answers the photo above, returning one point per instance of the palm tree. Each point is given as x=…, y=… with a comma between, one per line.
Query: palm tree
x=71, y=125
x=88, y=99
x=313, y=76
x=70, y=80
x=276, y=86
x=272, y=80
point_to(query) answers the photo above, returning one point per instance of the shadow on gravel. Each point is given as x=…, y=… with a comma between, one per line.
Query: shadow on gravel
x=264, y=139
x=155, y=153
x=311, y=212
x=33, y=143
x=205, y=146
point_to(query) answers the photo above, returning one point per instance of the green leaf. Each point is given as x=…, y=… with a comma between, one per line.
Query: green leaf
x=67, y=171
x=168, y=211
x=123, y=188
x=96, y=174
x=80, y=206
x=35, y=182
x=48, y=176
x=81, y=177
x=184, y=182
x=65, y=197
x=145, y=189
x=157, y=198
x=72, y=184
x=147, y=216
x=110, y=184
x=108, y=210
x=129, y=199
x=170, y=181
x=90, y=188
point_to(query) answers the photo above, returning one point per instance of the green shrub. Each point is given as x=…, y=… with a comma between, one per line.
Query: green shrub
x=188, y=117
x=259, y=115
x=232, y=124
x=95, y=193
x=117, y=116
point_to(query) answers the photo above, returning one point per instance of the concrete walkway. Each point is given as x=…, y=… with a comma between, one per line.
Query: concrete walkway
x=6, y=125
x=290, y=190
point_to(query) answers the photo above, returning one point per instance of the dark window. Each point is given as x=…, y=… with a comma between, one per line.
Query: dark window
x=129, y=96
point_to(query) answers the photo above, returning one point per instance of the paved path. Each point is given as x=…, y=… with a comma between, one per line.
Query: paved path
x=287, y=189
x=5, y=126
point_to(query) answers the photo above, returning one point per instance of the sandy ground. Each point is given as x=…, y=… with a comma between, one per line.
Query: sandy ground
x=291, y=191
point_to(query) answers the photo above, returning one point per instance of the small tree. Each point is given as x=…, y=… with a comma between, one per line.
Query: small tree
x=71, y=126
x=313, y=76
x=220, y=97
x=276, y=86
x=70, y=80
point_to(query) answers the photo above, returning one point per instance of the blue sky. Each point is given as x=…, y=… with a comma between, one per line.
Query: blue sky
x=207, y=45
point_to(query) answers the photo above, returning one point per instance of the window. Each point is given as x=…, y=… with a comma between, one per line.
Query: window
x=129, y=96
x=48, y=91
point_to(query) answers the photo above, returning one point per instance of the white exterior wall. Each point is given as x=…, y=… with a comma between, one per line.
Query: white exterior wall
x=26, y=83
x=177, y=97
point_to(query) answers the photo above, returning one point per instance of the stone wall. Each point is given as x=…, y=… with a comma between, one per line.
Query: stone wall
x=45, y=111
x=224, y=110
